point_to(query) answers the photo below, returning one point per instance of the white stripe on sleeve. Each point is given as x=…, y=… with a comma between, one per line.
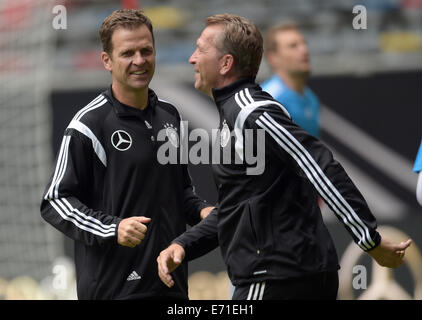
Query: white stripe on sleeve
x=84, y=226
x=315, y=174
x=245, y=112
x=96, y=145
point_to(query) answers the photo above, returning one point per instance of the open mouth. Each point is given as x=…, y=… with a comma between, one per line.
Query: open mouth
x=138, y=73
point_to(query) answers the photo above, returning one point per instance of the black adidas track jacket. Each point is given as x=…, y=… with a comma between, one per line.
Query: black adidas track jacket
x=107, y=170
x=269, y=225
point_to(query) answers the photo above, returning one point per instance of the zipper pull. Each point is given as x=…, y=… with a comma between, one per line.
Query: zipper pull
x=148, y=125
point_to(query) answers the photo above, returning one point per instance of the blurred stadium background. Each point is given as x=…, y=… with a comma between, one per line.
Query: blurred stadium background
x=368, y=81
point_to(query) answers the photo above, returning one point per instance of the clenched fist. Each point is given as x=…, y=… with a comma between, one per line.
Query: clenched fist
x=132, y=231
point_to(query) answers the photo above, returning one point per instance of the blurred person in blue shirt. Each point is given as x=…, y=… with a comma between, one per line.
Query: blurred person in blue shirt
x=418, y=169
x=287, y=54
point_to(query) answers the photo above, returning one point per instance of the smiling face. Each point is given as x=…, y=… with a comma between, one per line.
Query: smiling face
x=206, y=60
x=132, y=60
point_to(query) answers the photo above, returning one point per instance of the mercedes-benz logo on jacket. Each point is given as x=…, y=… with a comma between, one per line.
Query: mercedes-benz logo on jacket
x=121, y=140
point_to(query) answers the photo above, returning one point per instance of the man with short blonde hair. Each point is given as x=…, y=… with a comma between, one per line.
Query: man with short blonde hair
x=241, y=39
x=269, y=226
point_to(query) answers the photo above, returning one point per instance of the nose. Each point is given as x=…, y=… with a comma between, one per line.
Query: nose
x=192, y=59
x=138, y=59
x=305, y=48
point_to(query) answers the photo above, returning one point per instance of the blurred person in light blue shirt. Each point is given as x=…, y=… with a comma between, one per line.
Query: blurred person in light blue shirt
x=418, y=169
x=287, y=54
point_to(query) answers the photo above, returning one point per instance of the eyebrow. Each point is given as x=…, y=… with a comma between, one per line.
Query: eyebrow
x=200, y=44
x=128, y=49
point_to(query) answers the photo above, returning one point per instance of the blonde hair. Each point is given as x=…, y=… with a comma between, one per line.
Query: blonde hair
x=242, y=39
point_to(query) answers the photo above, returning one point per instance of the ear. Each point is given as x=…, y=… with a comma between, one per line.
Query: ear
x=226, y=64
x=107, y=62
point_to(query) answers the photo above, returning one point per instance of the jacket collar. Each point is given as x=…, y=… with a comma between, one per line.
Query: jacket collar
x=123, y=110
x=224, y=93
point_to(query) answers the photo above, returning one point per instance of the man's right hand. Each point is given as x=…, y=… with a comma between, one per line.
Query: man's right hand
x=168, y=260
x=132, y=231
